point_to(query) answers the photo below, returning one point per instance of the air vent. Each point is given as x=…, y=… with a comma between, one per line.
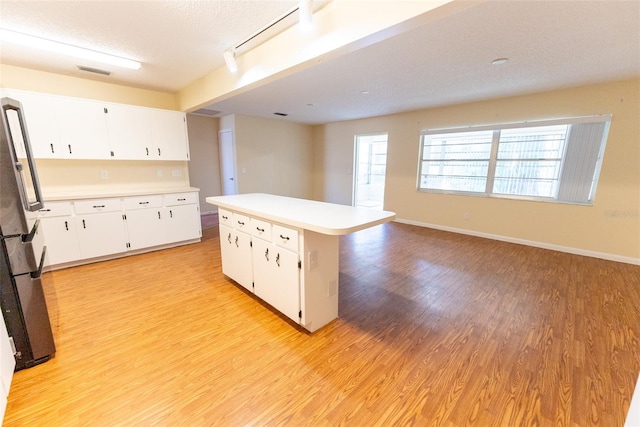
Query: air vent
x=281, y=114
x=94, y=70
x=205, y=112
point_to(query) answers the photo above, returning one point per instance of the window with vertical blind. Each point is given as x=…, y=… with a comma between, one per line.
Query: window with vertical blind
x=553, y=160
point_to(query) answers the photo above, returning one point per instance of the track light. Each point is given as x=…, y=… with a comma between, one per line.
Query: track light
x=67, y=49
x=230, y=59
x=305, y=19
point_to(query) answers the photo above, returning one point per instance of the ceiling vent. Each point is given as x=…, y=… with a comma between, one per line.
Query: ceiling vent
x=94, y=70
x=205, y=112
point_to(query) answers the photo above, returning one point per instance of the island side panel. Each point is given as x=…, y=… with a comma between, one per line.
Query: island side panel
x=319, y=279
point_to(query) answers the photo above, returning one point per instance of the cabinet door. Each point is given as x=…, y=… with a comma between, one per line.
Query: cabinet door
x=263, y=255
x=146, y=228
x=41, y=124
x=169, y=135
x=83, y=128
x=101, y=234
x=129, y=132
x=235, y=249
x=182, y=223
x=286, y=284
x=61, y=239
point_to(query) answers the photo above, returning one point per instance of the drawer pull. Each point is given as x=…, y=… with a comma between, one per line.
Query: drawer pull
x=260, y=229
x=45, y=210
x=143, y=203
x=240, y=222
x=284, y=237
x=181, y=200
x=225, y=217
x=98, y=206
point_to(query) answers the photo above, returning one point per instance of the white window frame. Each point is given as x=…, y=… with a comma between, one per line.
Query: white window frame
x=497, y=128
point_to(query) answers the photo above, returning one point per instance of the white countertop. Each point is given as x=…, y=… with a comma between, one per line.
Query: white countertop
x=321, y=217
x=92, y=194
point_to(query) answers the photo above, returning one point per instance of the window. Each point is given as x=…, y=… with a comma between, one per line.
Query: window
x=553, y=160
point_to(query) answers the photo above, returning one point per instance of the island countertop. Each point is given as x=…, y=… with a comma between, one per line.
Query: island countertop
x=320, y=217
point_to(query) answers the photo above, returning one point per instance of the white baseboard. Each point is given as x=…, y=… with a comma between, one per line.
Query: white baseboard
x=208, y=212
x=543, y=245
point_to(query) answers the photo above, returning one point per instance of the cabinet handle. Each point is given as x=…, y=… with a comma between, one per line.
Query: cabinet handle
x=278, y=259
x=66, y=225
x=143, y=203
x=170, y=213
x=158, y=214
x=44, y=210
x=225, y=217
x=266, y=254
x=83, y=224
x=181, y=200
x=147, y=148
x=260, y=229
x=98, y=206
x=237, y=245
x=240, y=222
x=52, y=151
x=229, y=238
x=284, y=237
x=158, y=151
x=69, y=149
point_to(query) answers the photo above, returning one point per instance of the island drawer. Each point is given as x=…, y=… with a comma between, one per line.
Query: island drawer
x=261, y=229
x=285, y=237
x=142, y=202
x=241, y=222
x=56, y=209
x=180, y=199
x=225, y=217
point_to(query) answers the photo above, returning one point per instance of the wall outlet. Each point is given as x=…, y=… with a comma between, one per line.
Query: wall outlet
x=159, y=173
x=104, y=174
x=176, y=173
x=313, y=260
x=466, y=216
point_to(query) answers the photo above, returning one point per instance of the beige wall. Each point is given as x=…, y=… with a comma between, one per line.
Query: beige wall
x=273, y=156
x=58, y=84
x=610, y=227
x=204, y=166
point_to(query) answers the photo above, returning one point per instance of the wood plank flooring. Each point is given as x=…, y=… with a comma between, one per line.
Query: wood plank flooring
x=435, y=329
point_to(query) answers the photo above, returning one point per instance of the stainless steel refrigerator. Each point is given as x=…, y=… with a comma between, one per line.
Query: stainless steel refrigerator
x=21, y=260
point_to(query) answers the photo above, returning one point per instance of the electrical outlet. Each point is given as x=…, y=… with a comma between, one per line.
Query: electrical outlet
x=466, y=216
x=313, y=260
x=159, y=173
x=104, y=174
x=176, y=173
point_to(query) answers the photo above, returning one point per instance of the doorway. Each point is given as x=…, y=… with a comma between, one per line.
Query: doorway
x=370, y=170
x=227, y=162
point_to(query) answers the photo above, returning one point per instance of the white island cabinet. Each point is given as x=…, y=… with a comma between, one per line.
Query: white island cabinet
x=285, y=250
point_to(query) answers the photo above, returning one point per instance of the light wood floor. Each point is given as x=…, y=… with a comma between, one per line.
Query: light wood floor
x=435, y=329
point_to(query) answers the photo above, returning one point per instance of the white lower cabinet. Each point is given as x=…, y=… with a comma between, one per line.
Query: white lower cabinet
x=86, y=229
x=276, y=277
x=101, y=234
x=264, y=258
x=7, y=365
x=235, y=248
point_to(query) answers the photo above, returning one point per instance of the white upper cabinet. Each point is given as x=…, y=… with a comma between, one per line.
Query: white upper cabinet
x=169, y=134
x=82, y=127
x=129, y=132
x=71, y=128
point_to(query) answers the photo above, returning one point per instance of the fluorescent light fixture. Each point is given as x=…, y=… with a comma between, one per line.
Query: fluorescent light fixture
x=305, y=19
x=230, y=59
x=67, y=49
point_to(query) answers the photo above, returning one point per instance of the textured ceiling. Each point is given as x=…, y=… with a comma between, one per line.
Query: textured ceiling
x=550, y=45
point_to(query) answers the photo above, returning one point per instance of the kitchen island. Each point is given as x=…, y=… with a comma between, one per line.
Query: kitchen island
x=286, y=250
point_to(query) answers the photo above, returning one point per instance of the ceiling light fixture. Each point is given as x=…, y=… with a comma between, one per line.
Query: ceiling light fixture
x=230, y=60
x=305, y=17
x=499, y=61
x=67, y=49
